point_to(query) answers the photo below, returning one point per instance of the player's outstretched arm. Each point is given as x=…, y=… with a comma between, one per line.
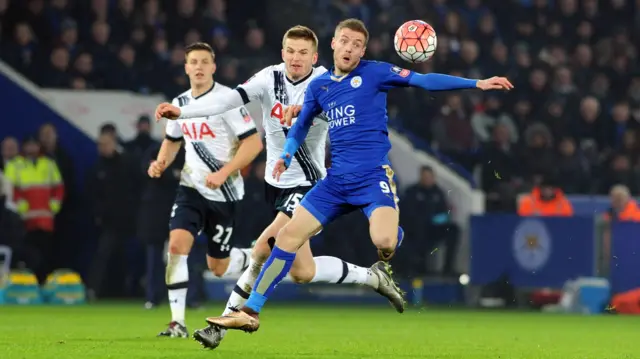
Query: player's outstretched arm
x=226, y=102
x=442, y=82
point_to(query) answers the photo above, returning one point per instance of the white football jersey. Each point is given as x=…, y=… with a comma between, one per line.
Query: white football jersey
x=210, y=143
x=275, y=92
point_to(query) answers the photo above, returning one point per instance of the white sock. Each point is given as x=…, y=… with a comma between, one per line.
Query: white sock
x=239, y=260
x=243, y=288
x=177, y=280
x=335, y=270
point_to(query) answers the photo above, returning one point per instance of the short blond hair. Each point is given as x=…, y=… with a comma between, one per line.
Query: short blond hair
x=354, y=25
x=302, y=33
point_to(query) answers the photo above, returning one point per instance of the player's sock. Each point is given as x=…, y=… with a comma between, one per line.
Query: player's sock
x=272, y=273
x=177, y=280
x=239, y=260
x=243, y=287
x=335, y=270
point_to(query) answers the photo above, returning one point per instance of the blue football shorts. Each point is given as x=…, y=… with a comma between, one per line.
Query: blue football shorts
x=337, y=195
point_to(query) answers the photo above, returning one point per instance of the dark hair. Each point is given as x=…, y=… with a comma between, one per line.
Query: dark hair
x=354, y=25
x=198, y=46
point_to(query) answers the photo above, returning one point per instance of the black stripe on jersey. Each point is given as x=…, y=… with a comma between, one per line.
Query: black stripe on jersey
x=311, y=173
x=294, y=83
x=183, y=100
x=280, y=88
x=227, y=189
x=247, y=134
x=305, y=153
x=243, y=94
x=206, y=92
x=173, y=139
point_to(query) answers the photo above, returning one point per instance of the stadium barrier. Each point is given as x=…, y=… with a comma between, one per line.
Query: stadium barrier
x=545, y=252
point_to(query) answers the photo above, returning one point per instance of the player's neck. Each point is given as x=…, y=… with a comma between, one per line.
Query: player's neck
x=292, y=79
x=199, y=90
x=339, y=73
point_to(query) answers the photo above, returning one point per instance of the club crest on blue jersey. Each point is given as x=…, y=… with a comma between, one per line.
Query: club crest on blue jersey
x=400, y=71
x=356, y=82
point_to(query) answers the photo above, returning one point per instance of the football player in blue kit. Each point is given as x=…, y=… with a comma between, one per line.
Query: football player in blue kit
x=353, y=96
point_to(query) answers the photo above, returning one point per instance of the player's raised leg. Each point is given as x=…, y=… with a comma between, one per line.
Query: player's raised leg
x=210, y=337
x=291, y=237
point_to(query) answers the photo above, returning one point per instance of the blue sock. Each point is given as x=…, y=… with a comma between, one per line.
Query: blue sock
x=272, y=273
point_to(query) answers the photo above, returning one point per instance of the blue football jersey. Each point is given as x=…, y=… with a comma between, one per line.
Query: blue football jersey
x=355, y=106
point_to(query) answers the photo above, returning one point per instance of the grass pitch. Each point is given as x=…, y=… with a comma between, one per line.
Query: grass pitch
x=127, y=331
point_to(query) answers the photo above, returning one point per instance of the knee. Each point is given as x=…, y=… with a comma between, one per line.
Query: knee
x=302, y=276
x=217, y=267
x=385, y=242
x=180, y=242
x=261, y=250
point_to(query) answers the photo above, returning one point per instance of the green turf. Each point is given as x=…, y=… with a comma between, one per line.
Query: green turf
x=128, y=331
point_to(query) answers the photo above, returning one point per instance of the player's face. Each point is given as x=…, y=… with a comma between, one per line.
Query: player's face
x=348, y=48
x=200, y=67
x=299, y=56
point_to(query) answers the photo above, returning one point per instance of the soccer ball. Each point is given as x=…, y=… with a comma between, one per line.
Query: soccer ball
x=415, y=41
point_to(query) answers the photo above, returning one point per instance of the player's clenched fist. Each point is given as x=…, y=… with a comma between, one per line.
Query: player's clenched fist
x=494, y=83
x=281, y=165
x=167, y=110
x=215, y=180
x=289, y=113
x=156, y=168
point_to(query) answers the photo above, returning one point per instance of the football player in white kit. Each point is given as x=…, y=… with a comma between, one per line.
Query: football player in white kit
x=217, y=148
x=278, y=88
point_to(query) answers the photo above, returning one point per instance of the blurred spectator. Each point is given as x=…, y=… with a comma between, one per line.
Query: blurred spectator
x=110, y=192
x=452, y=129
x=621, y=172
x=10, y=149
x=426, y=210
x=23, y=53
x=501, y=171
x=539, y=155
x=11, y=225
x=573, y=168
x=38, y=193
x=156, y=202
x=623, y=207
x=546, y=200
x=492, y=115
x=56, y=73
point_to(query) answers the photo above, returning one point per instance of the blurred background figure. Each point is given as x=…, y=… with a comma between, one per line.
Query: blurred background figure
x=37, y=191
x=110, y=191
x=428, y=216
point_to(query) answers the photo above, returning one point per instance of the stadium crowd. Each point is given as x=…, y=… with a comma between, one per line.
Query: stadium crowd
x=572, y=123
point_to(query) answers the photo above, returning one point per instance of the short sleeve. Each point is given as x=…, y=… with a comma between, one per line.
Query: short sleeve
x=254, y=88
x=173, y=132
x=240, y=122
x=392, y=76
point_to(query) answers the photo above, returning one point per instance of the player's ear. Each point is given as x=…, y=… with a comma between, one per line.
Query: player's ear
x=215, y=67
x=282, y=54
x=185, y=69
x=315, y=58
x=333, y=43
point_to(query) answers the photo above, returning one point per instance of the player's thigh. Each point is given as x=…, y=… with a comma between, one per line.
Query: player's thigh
x=266, y=241
x=219, y=231
x=186, y=220
x=378, y=199
x=383, y=227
